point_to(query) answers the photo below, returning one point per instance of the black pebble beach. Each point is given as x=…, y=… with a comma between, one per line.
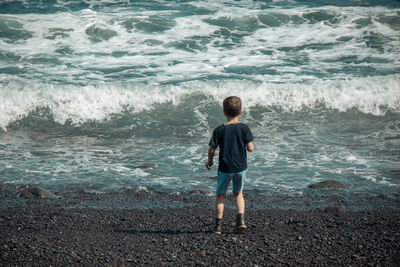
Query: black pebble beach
x=42, y=232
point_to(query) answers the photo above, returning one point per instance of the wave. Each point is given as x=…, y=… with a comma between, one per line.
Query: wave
x=81, y=104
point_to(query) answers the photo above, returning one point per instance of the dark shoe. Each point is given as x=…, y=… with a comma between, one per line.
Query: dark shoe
x=240, y=226
x=218, y=226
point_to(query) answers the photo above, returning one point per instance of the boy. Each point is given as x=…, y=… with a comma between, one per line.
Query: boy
x=233, y=139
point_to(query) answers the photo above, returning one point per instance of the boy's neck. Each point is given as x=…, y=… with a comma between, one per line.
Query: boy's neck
x=232, y=120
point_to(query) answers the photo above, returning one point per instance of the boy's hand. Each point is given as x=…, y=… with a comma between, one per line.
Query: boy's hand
x=250, y=147
x=211, y=152
x=209, y=164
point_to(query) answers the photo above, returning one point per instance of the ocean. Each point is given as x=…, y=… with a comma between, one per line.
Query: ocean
x=109, y=96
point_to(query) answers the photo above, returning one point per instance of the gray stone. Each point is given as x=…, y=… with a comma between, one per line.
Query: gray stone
x=334, y=209
x=330, y=184
x=36, y=192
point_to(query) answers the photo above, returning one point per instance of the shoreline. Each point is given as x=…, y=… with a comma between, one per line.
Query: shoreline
x=310, y=200
x=46, y=232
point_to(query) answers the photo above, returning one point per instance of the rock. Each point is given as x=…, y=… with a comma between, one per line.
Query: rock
x=36, y=192
x=334, y=209
x=330, y=184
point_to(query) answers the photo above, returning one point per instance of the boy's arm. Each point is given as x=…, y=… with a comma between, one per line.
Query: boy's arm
x=211, y=152
x=250, y=146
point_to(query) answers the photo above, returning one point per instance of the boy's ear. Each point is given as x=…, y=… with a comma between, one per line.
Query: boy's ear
x=241, y=112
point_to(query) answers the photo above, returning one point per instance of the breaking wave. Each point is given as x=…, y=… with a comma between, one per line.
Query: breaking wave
x=77, y=105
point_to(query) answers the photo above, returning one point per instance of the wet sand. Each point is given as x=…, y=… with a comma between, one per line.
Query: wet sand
x=43, y=233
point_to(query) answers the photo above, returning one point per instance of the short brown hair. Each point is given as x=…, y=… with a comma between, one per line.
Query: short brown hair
x=232, y=106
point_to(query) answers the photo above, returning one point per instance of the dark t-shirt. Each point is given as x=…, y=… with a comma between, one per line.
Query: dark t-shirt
x=232, y=140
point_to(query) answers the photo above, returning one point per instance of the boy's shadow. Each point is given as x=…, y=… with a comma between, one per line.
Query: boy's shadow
x=166, y=231
x=170, y=232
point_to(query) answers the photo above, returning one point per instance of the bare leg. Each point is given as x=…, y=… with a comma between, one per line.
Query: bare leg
x=239, y=202
x=219, y=205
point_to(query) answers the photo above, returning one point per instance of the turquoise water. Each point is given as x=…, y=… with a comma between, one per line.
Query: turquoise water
x=107, y=96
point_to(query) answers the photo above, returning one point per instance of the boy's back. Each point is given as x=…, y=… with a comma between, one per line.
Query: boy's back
x=232, y=140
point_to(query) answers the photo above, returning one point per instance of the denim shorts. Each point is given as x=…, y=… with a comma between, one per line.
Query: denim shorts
x=225, y=178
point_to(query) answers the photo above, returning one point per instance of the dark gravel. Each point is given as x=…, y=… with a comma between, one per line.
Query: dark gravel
x=42, y=235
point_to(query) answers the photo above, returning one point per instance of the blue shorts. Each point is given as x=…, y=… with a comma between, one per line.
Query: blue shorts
x=225, y=178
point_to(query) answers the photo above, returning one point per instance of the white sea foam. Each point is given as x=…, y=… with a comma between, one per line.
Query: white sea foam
x=188, y=27
x=351, y=158
x=82, y=44
x=381, y=180
x=139, y=173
